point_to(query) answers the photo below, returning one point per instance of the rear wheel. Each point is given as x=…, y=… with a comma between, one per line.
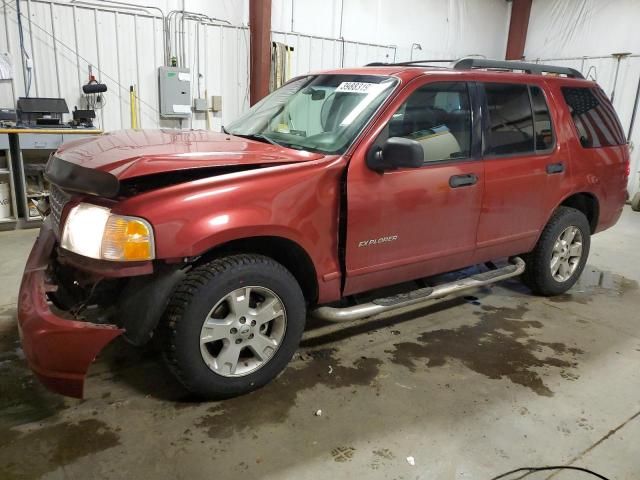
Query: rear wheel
x=560, y=255
x=233, y=325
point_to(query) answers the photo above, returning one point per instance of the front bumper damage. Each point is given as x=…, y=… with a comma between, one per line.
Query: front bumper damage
x=58, y=350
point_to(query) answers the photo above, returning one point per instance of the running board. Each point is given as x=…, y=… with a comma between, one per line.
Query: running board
x=420, y=296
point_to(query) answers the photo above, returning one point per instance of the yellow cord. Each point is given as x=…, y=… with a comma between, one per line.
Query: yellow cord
x=132, y=103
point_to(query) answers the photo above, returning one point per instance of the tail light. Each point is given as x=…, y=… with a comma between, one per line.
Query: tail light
x=627, y=167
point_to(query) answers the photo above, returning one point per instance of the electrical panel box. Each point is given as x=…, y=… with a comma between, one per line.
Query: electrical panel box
x=175, y=92
x=200, y=104
x=216, y=103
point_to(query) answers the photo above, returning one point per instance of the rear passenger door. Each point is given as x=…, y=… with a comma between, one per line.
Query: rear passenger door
x=524, y=171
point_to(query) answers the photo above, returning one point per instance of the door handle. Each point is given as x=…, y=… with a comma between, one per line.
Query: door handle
x=463, y=180
x=555, y=168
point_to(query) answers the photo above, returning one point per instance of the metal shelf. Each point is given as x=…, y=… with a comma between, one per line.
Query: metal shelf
x=32, y=147
x=7, y=171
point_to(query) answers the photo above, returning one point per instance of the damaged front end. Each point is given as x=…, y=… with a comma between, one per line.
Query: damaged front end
x=70, y=308
x=71, y=305
x=59, y=350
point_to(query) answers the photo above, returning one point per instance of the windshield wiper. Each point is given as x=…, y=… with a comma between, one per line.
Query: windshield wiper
x=260, y=137
x=263, y=138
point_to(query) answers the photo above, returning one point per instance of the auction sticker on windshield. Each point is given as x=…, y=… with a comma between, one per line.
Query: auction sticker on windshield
x=357, y=87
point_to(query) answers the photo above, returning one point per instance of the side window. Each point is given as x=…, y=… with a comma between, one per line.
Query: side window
x=438, y=116
x=511, y=121
x=594, y=117
x=542, y=119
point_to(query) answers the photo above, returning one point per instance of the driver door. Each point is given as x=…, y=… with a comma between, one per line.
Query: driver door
x=414, y=222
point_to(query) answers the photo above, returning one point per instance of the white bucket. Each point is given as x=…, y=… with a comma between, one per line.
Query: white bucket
x=5, y=200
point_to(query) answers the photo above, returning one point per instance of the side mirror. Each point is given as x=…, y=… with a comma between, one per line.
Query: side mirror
x=396, y=152
x=318, y=95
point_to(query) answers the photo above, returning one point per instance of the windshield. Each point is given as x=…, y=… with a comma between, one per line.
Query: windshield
x=321, y=113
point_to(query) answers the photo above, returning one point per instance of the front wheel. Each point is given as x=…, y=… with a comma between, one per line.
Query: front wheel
x=232, y=325
x=560, y=255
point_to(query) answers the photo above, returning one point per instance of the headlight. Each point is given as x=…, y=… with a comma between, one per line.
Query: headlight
x=95, y=232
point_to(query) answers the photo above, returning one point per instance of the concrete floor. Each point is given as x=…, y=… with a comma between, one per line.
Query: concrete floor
x=470, y=389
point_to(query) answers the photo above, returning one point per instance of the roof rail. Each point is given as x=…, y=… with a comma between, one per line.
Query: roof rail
x=533, y=68
x=407, y=64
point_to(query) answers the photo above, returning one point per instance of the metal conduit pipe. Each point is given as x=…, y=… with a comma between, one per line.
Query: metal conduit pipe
x=175, y=24
x=126, y=6
x=318, y=37
x=594, y=57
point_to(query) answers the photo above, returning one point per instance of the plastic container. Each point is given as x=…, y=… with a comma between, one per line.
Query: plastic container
x=5, y=201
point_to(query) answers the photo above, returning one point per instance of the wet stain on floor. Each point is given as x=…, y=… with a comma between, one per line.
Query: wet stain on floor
x=22, y=398
x=381, y=458
x=593, y=282
x=240, y=415
x=498, y=346
x=52, y=447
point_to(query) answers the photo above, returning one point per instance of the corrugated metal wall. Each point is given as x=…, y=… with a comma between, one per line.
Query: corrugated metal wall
x=125, y=48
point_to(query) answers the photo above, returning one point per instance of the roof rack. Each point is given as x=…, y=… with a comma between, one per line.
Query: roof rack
x=532, y=68
x=407, y=64
x=470, y=63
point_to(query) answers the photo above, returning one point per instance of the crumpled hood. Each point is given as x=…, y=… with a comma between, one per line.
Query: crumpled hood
x=135, y=153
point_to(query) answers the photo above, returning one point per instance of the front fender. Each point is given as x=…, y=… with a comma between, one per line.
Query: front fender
x=245, y=231
x=297, y=202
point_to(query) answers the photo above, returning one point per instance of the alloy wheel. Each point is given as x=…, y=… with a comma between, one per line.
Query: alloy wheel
x=566, y=254
x=243, y=331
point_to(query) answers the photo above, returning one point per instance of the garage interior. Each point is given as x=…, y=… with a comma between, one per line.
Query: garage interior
x=484, y=383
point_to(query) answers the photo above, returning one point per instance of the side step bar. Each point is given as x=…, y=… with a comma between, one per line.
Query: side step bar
x=420, y=296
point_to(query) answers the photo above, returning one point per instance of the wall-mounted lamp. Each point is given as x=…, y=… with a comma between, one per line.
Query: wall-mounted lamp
x=414, y=46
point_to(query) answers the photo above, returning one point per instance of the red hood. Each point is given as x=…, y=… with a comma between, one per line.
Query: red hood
x=134, y=153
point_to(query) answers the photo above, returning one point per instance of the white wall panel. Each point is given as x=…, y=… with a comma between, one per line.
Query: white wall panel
x=111, y=114
x=587, y=27
x=66, y=53
x=444, y=28
x=9, y=46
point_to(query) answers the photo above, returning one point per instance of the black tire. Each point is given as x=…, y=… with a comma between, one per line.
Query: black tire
x=635, y=202
x=191, y=304
x=537, y=275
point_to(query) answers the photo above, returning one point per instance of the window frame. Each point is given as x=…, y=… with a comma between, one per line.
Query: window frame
x=551, y=123
x=486, y=130
x=475, y=129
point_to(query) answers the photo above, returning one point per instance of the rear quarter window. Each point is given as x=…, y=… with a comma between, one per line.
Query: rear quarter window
x=596, y=121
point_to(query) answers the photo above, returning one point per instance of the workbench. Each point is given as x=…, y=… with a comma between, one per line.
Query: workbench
x=23, y=155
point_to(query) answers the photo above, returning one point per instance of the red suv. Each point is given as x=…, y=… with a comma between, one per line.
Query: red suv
x=338, y=183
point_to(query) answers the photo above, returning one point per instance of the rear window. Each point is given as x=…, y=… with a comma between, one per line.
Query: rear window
x=511, y=120
x=594, y=117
